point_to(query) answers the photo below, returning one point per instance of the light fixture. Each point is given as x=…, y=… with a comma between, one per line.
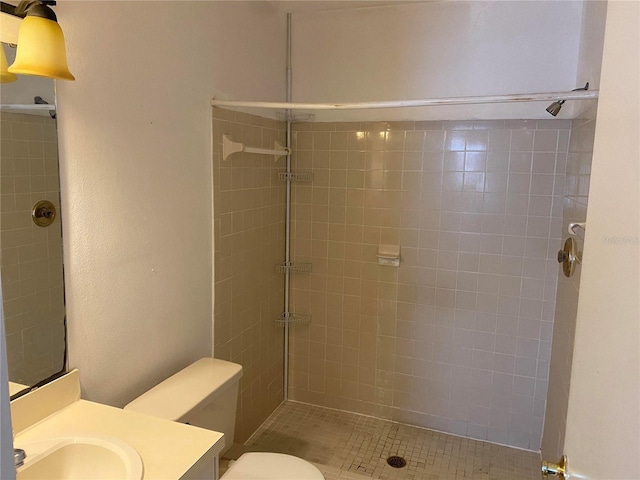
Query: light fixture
x=555, y=107
x=5, y=75
x=41, y=50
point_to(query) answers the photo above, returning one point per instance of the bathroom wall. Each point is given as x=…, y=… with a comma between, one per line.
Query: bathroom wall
x=248, y=207
x=457, y=338
x=594, y=15
x=135, y=157
x=31, y=255
x=578, y=176
x=434, y=50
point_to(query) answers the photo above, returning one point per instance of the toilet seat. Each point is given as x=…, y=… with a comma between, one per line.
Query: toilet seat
x=271, y=466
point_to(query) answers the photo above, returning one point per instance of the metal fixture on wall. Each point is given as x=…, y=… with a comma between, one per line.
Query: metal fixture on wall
x=41, y=48
x=43, y=213
x=556, y=106
x=569, y=256
x=286, y=314
x=40, y=101
x=576, y=227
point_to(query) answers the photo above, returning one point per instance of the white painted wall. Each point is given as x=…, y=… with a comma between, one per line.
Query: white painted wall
x=591, y=41
x=603, y=423
x=135, y=137
x=437, y=49
x=590, y=56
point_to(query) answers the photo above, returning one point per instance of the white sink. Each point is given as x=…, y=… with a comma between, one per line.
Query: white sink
x=79, y=458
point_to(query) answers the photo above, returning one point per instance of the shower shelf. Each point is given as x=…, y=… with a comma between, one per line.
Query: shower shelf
x=294, y=267
x=296, y=176
x=229, y=147
x=293, y=319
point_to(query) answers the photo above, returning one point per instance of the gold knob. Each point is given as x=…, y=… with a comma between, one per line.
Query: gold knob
x=559, y=469
x=569, y=256
x=43, y=213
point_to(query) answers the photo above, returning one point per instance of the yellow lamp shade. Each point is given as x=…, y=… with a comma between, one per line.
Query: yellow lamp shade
x=5, y=75
x=41, y=50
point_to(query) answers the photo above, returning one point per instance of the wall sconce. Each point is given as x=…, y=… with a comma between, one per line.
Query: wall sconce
x=41, y=49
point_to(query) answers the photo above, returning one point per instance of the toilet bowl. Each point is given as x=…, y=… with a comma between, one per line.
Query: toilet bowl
x=271, y=466
x=205, y=395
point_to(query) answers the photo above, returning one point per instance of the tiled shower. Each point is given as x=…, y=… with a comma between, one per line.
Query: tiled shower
x=31, y=256
x=458, y=337
x=249, y=205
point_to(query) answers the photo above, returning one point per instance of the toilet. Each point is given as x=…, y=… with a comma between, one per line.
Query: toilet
x=205, y=395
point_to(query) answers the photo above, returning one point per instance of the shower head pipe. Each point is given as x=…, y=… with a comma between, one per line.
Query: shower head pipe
x=476, y=100
x=556, y=106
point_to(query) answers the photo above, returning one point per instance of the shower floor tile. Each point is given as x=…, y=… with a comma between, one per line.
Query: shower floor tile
x=350, y=446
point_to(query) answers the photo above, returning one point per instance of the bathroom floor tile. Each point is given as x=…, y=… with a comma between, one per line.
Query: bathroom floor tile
x=348, y=446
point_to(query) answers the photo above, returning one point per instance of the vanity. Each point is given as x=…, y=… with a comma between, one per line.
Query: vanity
x=67, y=437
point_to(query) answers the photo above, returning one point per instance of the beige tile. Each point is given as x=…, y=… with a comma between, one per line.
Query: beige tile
x=546, y=141
x=477, y=183
x=347, y=446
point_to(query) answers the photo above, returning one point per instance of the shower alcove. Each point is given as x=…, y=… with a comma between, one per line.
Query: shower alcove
x=476, y=190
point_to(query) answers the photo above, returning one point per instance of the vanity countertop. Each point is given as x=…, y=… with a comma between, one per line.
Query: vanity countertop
x=16, y=387
x=169, y=450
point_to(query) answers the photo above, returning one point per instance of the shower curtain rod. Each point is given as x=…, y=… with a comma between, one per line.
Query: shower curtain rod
x=27, y=106
x=518, y=97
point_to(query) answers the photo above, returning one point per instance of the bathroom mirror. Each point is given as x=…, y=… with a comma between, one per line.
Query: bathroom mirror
x=31, y=254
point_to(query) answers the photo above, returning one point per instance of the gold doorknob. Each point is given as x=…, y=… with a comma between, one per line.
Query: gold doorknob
x=559, y=469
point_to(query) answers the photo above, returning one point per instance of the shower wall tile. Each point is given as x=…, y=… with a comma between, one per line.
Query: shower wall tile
x=458, y=337
x=249, y=205
x=32, y=283
x=576, y=190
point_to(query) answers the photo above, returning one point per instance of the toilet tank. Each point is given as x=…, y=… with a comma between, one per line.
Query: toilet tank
x=204, y=394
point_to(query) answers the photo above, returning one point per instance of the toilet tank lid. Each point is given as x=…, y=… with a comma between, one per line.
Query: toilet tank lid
x=182, y=392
